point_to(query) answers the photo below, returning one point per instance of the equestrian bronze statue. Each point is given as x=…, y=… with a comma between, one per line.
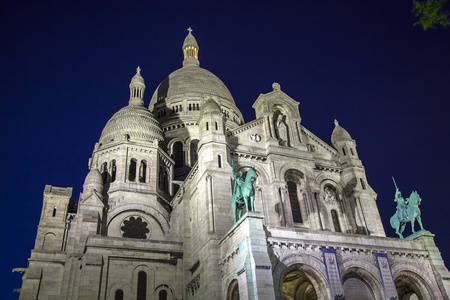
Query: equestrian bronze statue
x=243, y=197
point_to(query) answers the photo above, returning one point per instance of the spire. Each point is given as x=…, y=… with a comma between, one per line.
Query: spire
x=137, y=88
x=190, y=50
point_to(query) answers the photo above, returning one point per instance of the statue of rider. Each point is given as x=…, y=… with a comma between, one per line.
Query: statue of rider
x=401, y=205
x=238, y=183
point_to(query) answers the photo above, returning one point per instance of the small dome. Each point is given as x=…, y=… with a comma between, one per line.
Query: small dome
x=93, y=181
x=190, y=40
x=137, y=88
x=210, y=106
x=138, y=77
x=132, y=122
x=339, y=134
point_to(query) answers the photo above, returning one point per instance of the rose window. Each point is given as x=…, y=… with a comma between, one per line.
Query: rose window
x=135, y=228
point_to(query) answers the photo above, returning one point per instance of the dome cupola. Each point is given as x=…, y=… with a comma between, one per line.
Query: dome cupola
x=93, y=181
x=133, y=122
x=339, y=134
x=210, y=107
x=137, y=88
x=190, y=50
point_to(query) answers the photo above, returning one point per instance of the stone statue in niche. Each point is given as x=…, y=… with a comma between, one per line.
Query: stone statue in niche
x=282, y=130
x=330, y=194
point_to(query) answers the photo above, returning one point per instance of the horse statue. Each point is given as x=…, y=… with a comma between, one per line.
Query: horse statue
x=243, y=197
x=407, y=211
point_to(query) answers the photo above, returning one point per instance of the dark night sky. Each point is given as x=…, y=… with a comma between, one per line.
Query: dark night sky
x=65, y=68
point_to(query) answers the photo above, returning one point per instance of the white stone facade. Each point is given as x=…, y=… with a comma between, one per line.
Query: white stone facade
x=154, y=220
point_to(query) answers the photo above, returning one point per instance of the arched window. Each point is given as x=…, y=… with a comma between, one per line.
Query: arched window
x=163, y=295
x=193, y=151
x=142, y=286
x=219, y=161
x=104, y=172
x=334, y=217
x=178, y=154
x=113, y=170
x=343, y=151
x=132, y=170
x=142, y=171
x=295, y=204
x=118, y=295
x=351, y=151
x=233, y=290
x=54, y=211
x=217, y=126
x=207, y=126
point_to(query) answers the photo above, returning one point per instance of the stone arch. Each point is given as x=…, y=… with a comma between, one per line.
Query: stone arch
x=364, y=271
x=175, y=140
x=286, y=167
x=263, y=177
x=260, y=183
x=295, y=182
x=121, y=285
x=193, y=151
x=407, y=275
x=157, y=215
x=233, y=290
x=311, y=266
x=164, y=287
x=331, y=198
x=49, y=242
x=284, y=107
x=150, y=278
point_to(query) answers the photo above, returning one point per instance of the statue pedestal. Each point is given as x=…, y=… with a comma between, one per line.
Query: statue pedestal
x=437, y=263
x=246, y=259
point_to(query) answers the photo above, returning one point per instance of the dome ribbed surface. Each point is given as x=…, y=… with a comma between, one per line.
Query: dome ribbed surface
x=135, y=121
x=191, y=82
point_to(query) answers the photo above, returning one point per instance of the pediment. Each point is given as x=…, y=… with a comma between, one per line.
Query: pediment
x=93, y=200
x=315, y=144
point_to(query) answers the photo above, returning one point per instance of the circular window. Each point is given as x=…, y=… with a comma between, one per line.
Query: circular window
x=134, y=227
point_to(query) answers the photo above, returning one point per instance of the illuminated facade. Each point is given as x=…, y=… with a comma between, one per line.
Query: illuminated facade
x=154, y=219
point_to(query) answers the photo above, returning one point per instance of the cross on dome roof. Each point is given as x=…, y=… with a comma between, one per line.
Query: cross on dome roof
x=138, y=70
x=190, y=30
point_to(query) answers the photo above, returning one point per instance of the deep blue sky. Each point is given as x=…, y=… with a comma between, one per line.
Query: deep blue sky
x=65, y=68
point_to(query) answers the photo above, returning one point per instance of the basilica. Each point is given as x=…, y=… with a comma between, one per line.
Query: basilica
x=158, y=217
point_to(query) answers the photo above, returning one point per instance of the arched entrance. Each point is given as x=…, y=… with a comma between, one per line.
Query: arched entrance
x=361, y=284
x=297, y=286
x=407, y=289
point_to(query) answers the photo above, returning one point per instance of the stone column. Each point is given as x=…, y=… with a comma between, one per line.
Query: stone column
x=254, y=267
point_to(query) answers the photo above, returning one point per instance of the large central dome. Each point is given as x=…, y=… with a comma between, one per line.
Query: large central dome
x=191, y=81
x=180, y=95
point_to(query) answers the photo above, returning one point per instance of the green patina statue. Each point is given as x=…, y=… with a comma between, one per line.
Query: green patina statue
x=243, y=197
x=407, y=211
